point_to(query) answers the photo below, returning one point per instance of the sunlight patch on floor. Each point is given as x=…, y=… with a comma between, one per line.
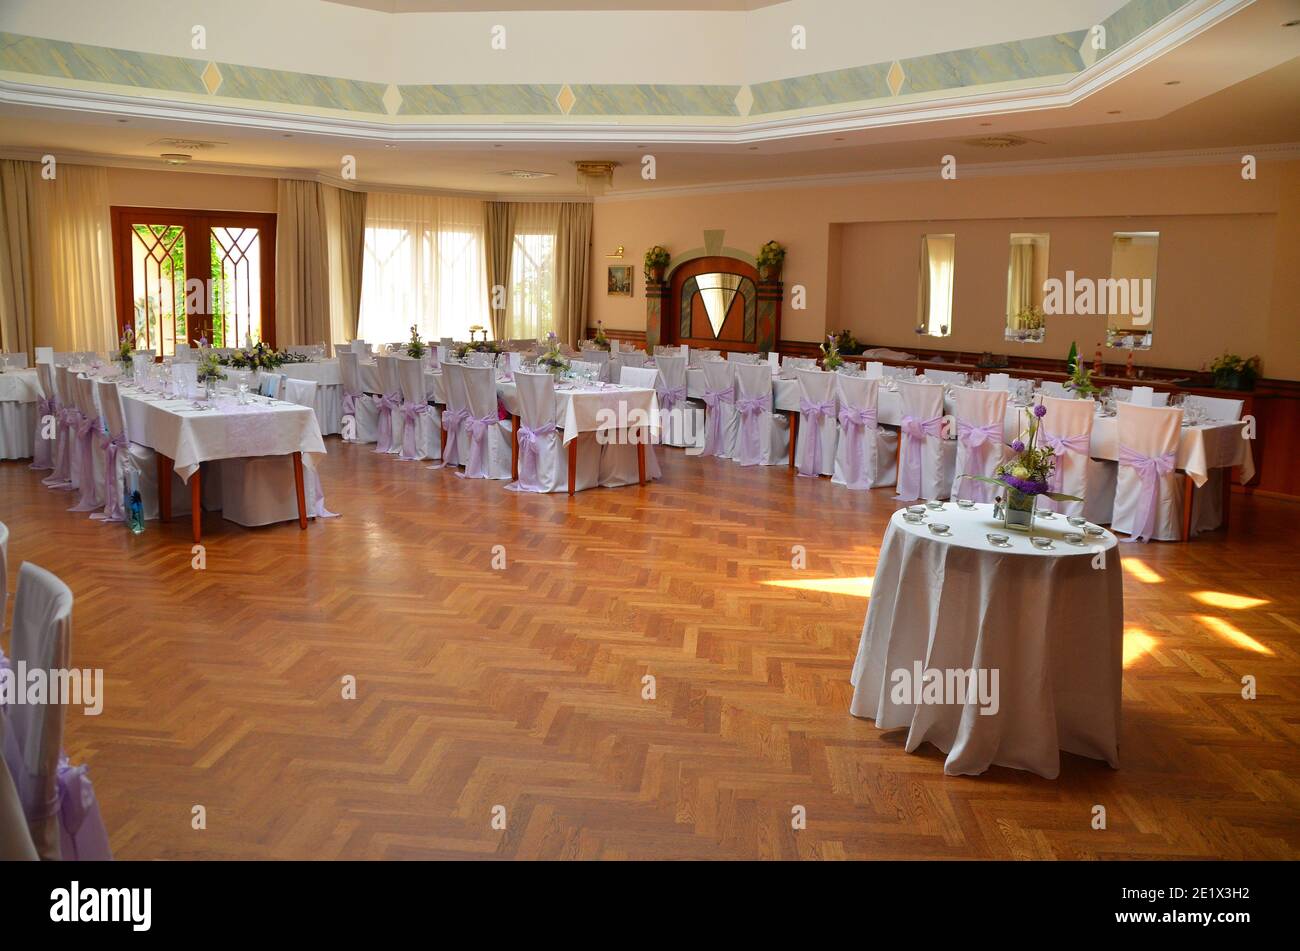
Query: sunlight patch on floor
x=1233, y=634
x=1138, y=569
x=1229, y=602
x=1137, y=644
x=853, y=587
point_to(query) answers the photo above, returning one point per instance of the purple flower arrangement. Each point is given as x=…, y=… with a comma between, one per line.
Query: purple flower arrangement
x=1028, y=472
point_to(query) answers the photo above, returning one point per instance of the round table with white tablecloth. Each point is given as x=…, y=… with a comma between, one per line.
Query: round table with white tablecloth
x=1039, y=633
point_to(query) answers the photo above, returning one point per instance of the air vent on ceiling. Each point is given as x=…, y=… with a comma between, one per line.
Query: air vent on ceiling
x=999, y=141
x=187, y=145
x=524, y=173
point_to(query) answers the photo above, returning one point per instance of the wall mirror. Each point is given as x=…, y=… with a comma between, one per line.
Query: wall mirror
x=1128, y=298
x=1026, y=275
x=934, y=285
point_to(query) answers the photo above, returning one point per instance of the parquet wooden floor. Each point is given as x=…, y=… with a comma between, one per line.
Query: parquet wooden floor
x=522, y=687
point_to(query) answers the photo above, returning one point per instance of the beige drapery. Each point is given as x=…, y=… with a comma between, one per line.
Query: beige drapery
x=352, y=241
x=572, y=267
x=499, y=238
x=302, y=283
x=1020, y=281
x=56, y=255
x=934, y=294
x=548, y=260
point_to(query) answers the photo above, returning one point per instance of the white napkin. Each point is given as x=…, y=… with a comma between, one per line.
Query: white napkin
x=1143, y=396
x=613, y=347
x=998, y=381
x=774, y=361
x=686, y=352
x=45, y=355
x=875, y=370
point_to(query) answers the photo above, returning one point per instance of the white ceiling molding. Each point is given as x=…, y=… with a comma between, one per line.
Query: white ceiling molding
x=1177, y=28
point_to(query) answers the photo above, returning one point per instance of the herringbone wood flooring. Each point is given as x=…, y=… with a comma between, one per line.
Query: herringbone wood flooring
x=522, y=687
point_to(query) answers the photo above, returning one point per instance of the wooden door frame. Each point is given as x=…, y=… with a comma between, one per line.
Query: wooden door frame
x=670, y=327
x=196, y=219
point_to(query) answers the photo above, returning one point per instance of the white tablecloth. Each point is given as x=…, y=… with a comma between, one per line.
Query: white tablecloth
x=19, y=391
x=19, y=386
x=189, y=437
x=581, y=409
x=329, y=389
x=1050, y=624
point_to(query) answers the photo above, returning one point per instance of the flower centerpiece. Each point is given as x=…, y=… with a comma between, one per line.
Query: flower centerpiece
x=209, y=372
x=1080, y=381
x=1232, y=372
x=415, y=347
x=1025, y=476
x=771, y=257
x=552, y=359
x=600, y=340
x=258, y=356
x=1030, y=324
x=847, y=343
x=831, y=359
x=126, y=348
x=656, y=262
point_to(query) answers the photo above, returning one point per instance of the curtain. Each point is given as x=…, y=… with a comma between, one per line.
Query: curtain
x=424, y=266
x=572, y=268
x=937, y=264
x=352, y=247
x=17, y=306
x=1020, y=281
x=499, y=236
x=302, y=284
x=57, y=252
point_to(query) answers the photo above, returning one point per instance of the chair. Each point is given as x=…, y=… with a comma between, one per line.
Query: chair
x=543, y=459
x=68, y=417
x=389, y=439
x=1054, y=389
x=1124, y=395
x=721, y=422
x=4, y=575
x=57, y=798
x=1148, y=503
x=798, y=363
x=1215, y=408
x=925, y=457
x=998, y=381
x=420, y=421
x=15, y=839
x=455, y=417
x=764, y=436
x=981, y=416
x=1067, y=429
x=618, y=455
x=89, y=447
x=45, y=430
x=271, y=385
x=360, y=408
x=1209, y=501
x=866, y=455
x=681, y=422
x=487, y=437
x=698, y=358
x=818, y=440
x=944, y=376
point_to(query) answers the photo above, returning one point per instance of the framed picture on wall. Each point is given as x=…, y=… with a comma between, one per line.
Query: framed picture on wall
x=620, y=280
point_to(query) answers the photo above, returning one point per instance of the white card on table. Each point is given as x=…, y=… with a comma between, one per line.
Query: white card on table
x=875, y=370
x=45, y=355
x=999, y=381
x=686, y=352
x=1143, y=396
x=613, y=346
x=516, y=358
x=774, y=361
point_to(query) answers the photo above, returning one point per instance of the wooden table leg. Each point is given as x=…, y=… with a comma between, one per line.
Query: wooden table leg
x=514, y=448
x=573, y=465
x=640, y=460
x=794, y=436
x=164, y=487
x=442, y=444
x=196, y=504
x=302, y=495
x=1189, y=493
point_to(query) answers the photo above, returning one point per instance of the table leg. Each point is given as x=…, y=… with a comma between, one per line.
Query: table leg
x=1227, y=496
x=1189, y=493
x=442, y=444
x=196, y=504
x=298, y=485
x=794, y=435
x=573, y=465
x=164, y=487
x=640, y=460
x=514, y=448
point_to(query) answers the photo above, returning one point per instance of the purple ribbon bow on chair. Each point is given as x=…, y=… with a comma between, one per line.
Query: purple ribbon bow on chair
x=713, y=399
x=114, y=511
x=84, y=838
x=530, y=455
x=751, y=409
x=387, y=404
x=41, y=456
x=349, y=404
x=453, y=421
x=813, y=413
x=915, y=432
x=61, y=477
x=1150, y=469
x=411, y=413
x=670, y=397
x=978, y=440
x=476, y=466
x=87, y=429
x=1060, y=445
x=854, y=423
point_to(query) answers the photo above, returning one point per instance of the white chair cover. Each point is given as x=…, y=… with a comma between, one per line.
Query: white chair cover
x=1054, y=389
x=721, y=421
x=646, y=377
x=819, y=430
x=1067, y=428
x=1145, y=393
x=455, y=416
x=57, y=798
x=764, y=436
x=618, y=460
x=543, y=458
x=981, y=416
x=389, y=434
x=421, y=423
x=117, y=455
x=926, y=458
x=681, y=423
x=874, y=370
x=487, y=443
x=363, y=410
x=68, y=416
x=4, y=575
x=47, y=407
x=271, y=384
x=89, y=448
x=943, y=376
x=998, y=381
x=1148, y=500
x=866, y=454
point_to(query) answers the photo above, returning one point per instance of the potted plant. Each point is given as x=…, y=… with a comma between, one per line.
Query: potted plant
x=656, y=262
x=1232, y=372
x=771, y=257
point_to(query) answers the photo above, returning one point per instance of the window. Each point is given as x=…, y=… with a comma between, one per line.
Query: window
x=532, y=285
x=1129, y=297
x=424, y=266
x=1026, y=273
x=934, y=290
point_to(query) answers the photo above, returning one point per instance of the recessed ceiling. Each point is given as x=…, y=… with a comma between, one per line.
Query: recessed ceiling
x=492, y=6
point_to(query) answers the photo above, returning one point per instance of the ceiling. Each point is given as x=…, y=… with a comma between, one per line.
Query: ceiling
x=492, y=6
x=1180, y=101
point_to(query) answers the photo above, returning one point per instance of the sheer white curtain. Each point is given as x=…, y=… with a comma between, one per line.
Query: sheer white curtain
x=424, y=265
x=532, y=269
x=938, y=263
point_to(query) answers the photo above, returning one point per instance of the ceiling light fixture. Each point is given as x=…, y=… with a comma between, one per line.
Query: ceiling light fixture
x=596, y=177
x=1292, y=23
x=175, y=158
x=524, y=173
x=1173, y=82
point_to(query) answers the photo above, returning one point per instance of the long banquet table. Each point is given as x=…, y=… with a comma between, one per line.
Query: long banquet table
x=19, y=392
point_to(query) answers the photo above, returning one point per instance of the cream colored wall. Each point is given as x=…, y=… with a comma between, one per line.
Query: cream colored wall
x=1229, y=254
x=146, y=188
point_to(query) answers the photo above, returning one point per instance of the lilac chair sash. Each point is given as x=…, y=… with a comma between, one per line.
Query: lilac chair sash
x=114, y=511
x=61, y=477
x=813, y=413
x=854, y=423
x=453, y=420
x=1060, y=445
x=713, y=399
x=752, y=409
x=530, y=455
x=42, y=457
x=476, y=466
x=1150, y=469
x=387, y=403
x=88, y=430
x=670, y=397
x=412, y=412
x=84, y=838
x=349, y=403
x=915, y=432
x=978, y=440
